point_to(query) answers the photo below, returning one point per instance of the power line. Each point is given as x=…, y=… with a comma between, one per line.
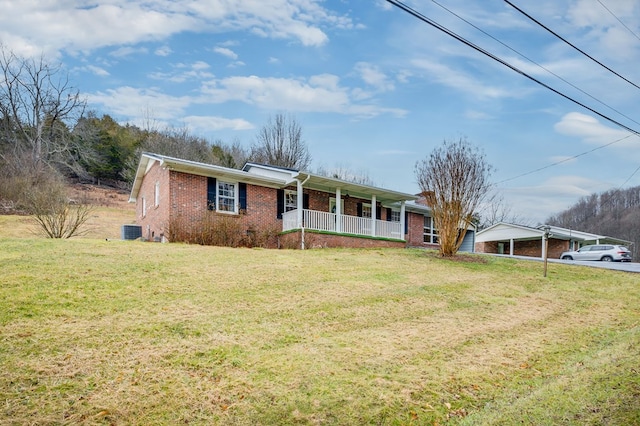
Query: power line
x=533, y=62
x=623, y=24
x=447, y=31
x=564, y=80
x=569, y=43
x=569, y=159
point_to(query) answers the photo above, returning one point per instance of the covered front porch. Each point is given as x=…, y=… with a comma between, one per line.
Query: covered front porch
x=342, y=224
x=335, y=213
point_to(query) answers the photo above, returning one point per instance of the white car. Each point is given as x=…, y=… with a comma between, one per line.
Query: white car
x=604, y=252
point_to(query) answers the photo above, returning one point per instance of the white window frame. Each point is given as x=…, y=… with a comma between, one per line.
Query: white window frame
x=219, y=187
x=366, y=207
x=429, y=234
x=290, y=200
x=395, y=215
x=144, y=206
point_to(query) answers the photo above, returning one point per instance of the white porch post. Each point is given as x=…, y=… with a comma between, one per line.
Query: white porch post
x=402, y=226
x=338, y=210
x=299, y=204
x=511, y=244
x=373, y=215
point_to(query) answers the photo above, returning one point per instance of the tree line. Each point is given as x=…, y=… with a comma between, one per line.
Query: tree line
x=614, y=213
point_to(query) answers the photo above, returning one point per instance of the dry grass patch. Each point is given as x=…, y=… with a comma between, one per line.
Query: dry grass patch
x=113, y=332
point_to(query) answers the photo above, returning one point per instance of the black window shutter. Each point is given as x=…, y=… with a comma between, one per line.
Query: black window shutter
x=359, y=210
x=280, y=203
x=305, y=201
x=388, y=214
x=406, y=222
x=378, y=212
x=211, y=193
x=242, y=193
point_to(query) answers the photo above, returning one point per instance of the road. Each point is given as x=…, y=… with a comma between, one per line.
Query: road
x=618, y=266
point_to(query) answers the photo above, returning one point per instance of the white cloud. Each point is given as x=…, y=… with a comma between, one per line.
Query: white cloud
x=101, y=72
x=163, y=51
x=588, y=128
x=372, y=76
x=200, y=65
x=128, y=51
x=182, y=73
x=131, y=102
x=538, y=202
x=277, y=93
x=460, y=81
x=225, y=52
x=320, y=93
x=210, y=124
x=31, y=27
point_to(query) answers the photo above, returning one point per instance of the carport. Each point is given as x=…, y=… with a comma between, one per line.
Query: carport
x=520, y=240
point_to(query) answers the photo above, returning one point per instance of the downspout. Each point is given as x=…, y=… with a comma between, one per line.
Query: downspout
x=402, y=221
x=300, y=205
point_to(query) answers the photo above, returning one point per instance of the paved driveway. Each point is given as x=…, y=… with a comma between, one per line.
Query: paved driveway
x=618, y=266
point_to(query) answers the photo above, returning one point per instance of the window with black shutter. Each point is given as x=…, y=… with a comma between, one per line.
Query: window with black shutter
x=211, y=193
x=242, y=195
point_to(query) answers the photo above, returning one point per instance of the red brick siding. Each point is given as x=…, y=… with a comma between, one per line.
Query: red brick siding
x=556, y=247
x=189, y=202
x=318, y=240
x=262, y=207
x=155, y=219
x=188, y=196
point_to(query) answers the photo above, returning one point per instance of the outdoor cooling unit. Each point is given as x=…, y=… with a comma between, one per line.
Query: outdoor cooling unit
x=131, y=232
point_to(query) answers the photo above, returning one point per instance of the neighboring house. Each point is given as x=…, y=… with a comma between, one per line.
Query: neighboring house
x=520, y=240
x=301, y=208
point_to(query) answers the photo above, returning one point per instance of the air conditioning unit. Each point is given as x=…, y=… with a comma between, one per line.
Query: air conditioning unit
x=131, y=232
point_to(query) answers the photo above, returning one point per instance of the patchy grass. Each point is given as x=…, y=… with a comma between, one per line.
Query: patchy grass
x=122, y=332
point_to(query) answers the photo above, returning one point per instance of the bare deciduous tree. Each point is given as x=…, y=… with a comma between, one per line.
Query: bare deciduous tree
x=343, y=172
x=37, y=103
x=233, y=156
x=279, y=143
x=495, y=210
x=54, y=213
x=454, y=179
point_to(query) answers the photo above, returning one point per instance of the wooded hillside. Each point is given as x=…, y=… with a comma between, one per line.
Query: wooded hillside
x=615, y=213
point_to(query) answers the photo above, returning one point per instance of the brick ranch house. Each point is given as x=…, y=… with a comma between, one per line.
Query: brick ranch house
x=299, y=208
x=519, y=240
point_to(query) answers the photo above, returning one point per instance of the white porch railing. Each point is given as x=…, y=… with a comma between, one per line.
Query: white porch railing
x=325, y=221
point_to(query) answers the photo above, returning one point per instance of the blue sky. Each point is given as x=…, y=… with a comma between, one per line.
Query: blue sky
x=374, y=89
